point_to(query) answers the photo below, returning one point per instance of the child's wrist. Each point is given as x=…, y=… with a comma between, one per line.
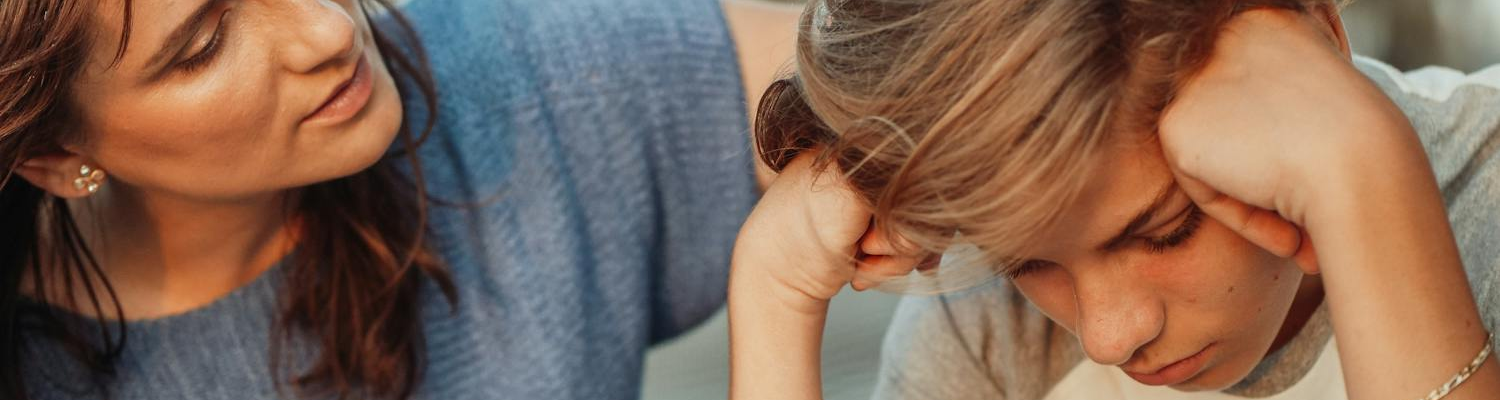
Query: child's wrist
x=752, y=284
x=1385, y=171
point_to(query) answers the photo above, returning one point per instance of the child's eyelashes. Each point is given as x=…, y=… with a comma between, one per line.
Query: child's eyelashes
x=1026, y=267
x=1177, y=236
x=1156, y=244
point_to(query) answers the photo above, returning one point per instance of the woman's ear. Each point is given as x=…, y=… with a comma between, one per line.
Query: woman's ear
x=63, y=175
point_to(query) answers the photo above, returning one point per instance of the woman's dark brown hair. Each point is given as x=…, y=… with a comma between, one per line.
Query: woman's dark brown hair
x=352, y=285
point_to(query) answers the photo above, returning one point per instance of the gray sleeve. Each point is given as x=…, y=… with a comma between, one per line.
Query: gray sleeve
x=982, y=343
x=926, y=357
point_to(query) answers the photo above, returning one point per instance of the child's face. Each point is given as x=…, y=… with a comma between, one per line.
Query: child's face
x=1180, y=300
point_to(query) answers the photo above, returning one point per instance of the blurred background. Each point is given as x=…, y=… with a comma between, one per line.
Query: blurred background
x=1408, y=34
x=1461, y=34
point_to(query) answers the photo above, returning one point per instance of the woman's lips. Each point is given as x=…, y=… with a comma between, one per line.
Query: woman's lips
x=348, y=99
x=1176, y=372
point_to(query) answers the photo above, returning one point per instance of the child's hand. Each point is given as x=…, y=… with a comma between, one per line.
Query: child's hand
x=1278, y=127
x=810, y=235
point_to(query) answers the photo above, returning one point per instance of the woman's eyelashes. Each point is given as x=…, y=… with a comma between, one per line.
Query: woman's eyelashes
x=1190, y=222
x=208, y=50
x=1192, y=217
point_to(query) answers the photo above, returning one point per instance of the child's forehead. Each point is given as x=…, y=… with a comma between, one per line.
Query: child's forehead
x=1123, y=182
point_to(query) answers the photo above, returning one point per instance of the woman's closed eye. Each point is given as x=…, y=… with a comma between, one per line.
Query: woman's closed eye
x=206, y=46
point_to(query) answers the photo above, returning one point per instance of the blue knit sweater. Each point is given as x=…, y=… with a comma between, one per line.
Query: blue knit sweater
x=612, y=132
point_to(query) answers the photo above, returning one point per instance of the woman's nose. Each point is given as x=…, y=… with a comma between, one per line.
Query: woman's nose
x=1115, y=317
x=318, y=33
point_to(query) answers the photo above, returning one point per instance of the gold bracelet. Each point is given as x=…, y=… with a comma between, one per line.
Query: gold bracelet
x=1463, y=374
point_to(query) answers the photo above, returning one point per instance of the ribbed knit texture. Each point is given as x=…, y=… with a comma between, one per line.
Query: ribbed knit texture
x=611, y=137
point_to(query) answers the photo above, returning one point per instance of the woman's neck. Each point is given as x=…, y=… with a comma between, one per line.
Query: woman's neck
x=166, y=254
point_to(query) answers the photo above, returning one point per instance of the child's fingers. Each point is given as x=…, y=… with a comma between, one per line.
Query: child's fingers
x=883, y=257
x=875, y=269
x=1306, y=256
x=1264, y=228
x=877, y=242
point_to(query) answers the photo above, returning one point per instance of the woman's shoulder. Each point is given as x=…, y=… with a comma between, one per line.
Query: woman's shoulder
x=573, y=44
x=590, y=87
x=985, y=342
x=587, y=144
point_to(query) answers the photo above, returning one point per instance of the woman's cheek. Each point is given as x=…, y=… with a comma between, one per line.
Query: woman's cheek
x=167, y=137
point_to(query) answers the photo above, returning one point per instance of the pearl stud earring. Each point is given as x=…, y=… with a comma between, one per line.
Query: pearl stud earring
x=88, y=179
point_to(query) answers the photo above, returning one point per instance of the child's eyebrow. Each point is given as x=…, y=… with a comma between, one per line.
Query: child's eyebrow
x=1141, y=218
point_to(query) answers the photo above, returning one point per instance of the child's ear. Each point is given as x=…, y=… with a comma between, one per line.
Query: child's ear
x=64, y=175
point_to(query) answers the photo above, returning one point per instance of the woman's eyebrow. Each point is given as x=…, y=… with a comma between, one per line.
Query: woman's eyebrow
x=172, y=45
x=1141, y=218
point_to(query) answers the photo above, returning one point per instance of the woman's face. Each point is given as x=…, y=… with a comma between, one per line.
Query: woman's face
x=225, y=99
x=1148, y=283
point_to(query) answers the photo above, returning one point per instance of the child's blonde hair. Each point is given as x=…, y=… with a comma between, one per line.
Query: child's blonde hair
x=978, y=117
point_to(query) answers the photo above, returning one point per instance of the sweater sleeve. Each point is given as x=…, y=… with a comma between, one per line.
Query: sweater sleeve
x=699, y=157
x=609, y=137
